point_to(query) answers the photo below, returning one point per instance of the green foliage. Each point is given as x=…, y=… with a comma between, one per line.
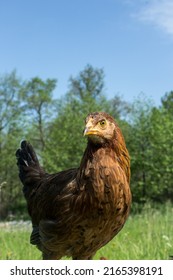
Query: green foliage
x=9, y=100
x=139, y=145
x=167, y=102
x=161, y=155
x=54, y=127
x=36, y=95
x=10, y=131
x=150, y=142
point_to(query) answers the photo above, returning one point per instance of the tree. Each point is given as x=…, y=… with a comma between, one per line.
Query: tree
x=89, y=83
x=9, y=100
x=120, y=109
x=26, y=108
x=139, y=145
x=162, y=155
x=167, y=102
x=150, y=142
x=10, y=132
x=39, y=105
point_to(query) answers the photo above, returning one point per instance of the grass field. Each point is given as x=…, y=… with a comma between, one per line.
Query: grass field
x=148, y=235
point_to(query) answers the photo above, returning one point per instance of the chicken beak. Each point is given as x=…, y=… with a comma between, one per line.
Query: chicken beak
x=89, y=131
x=86, y=131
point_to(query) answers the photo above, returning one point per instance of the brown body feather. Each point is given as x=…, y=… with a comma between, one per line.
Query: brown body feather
x=76, y=212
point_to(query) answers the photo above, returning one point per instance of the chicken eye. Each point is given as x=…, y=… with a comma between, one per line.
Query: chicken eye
x=102, y=123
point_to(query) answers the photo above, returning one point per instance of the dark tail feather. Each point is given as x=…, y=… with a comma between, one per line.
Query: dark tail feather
x=29, y=169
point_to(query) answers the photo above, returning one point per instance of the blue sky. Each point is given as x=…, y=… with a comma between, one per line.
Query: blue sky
x=132, y=40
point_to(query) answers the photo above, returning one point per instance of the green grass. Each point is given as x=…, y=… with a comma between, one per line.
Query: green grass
x=15, y=245
x=148, y=235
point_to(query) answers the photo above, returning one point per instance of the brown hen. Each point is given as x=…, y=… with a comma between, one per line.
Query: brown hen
x=77, y=211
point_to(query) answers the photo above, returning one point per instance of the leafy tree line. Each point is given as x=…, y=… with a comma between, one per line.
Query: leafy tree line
x=54, y=127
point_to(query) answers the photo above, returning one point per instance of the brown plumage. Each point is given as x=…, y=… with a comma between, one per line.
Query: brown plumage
x=77, y=211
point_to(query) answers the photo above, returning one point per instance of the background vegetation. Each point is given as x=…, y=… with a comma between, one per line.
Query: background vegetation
x=54, y=127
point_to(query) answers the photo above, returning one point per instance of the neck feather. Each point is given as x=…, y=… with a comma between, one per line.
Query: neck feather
x=97, y=153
